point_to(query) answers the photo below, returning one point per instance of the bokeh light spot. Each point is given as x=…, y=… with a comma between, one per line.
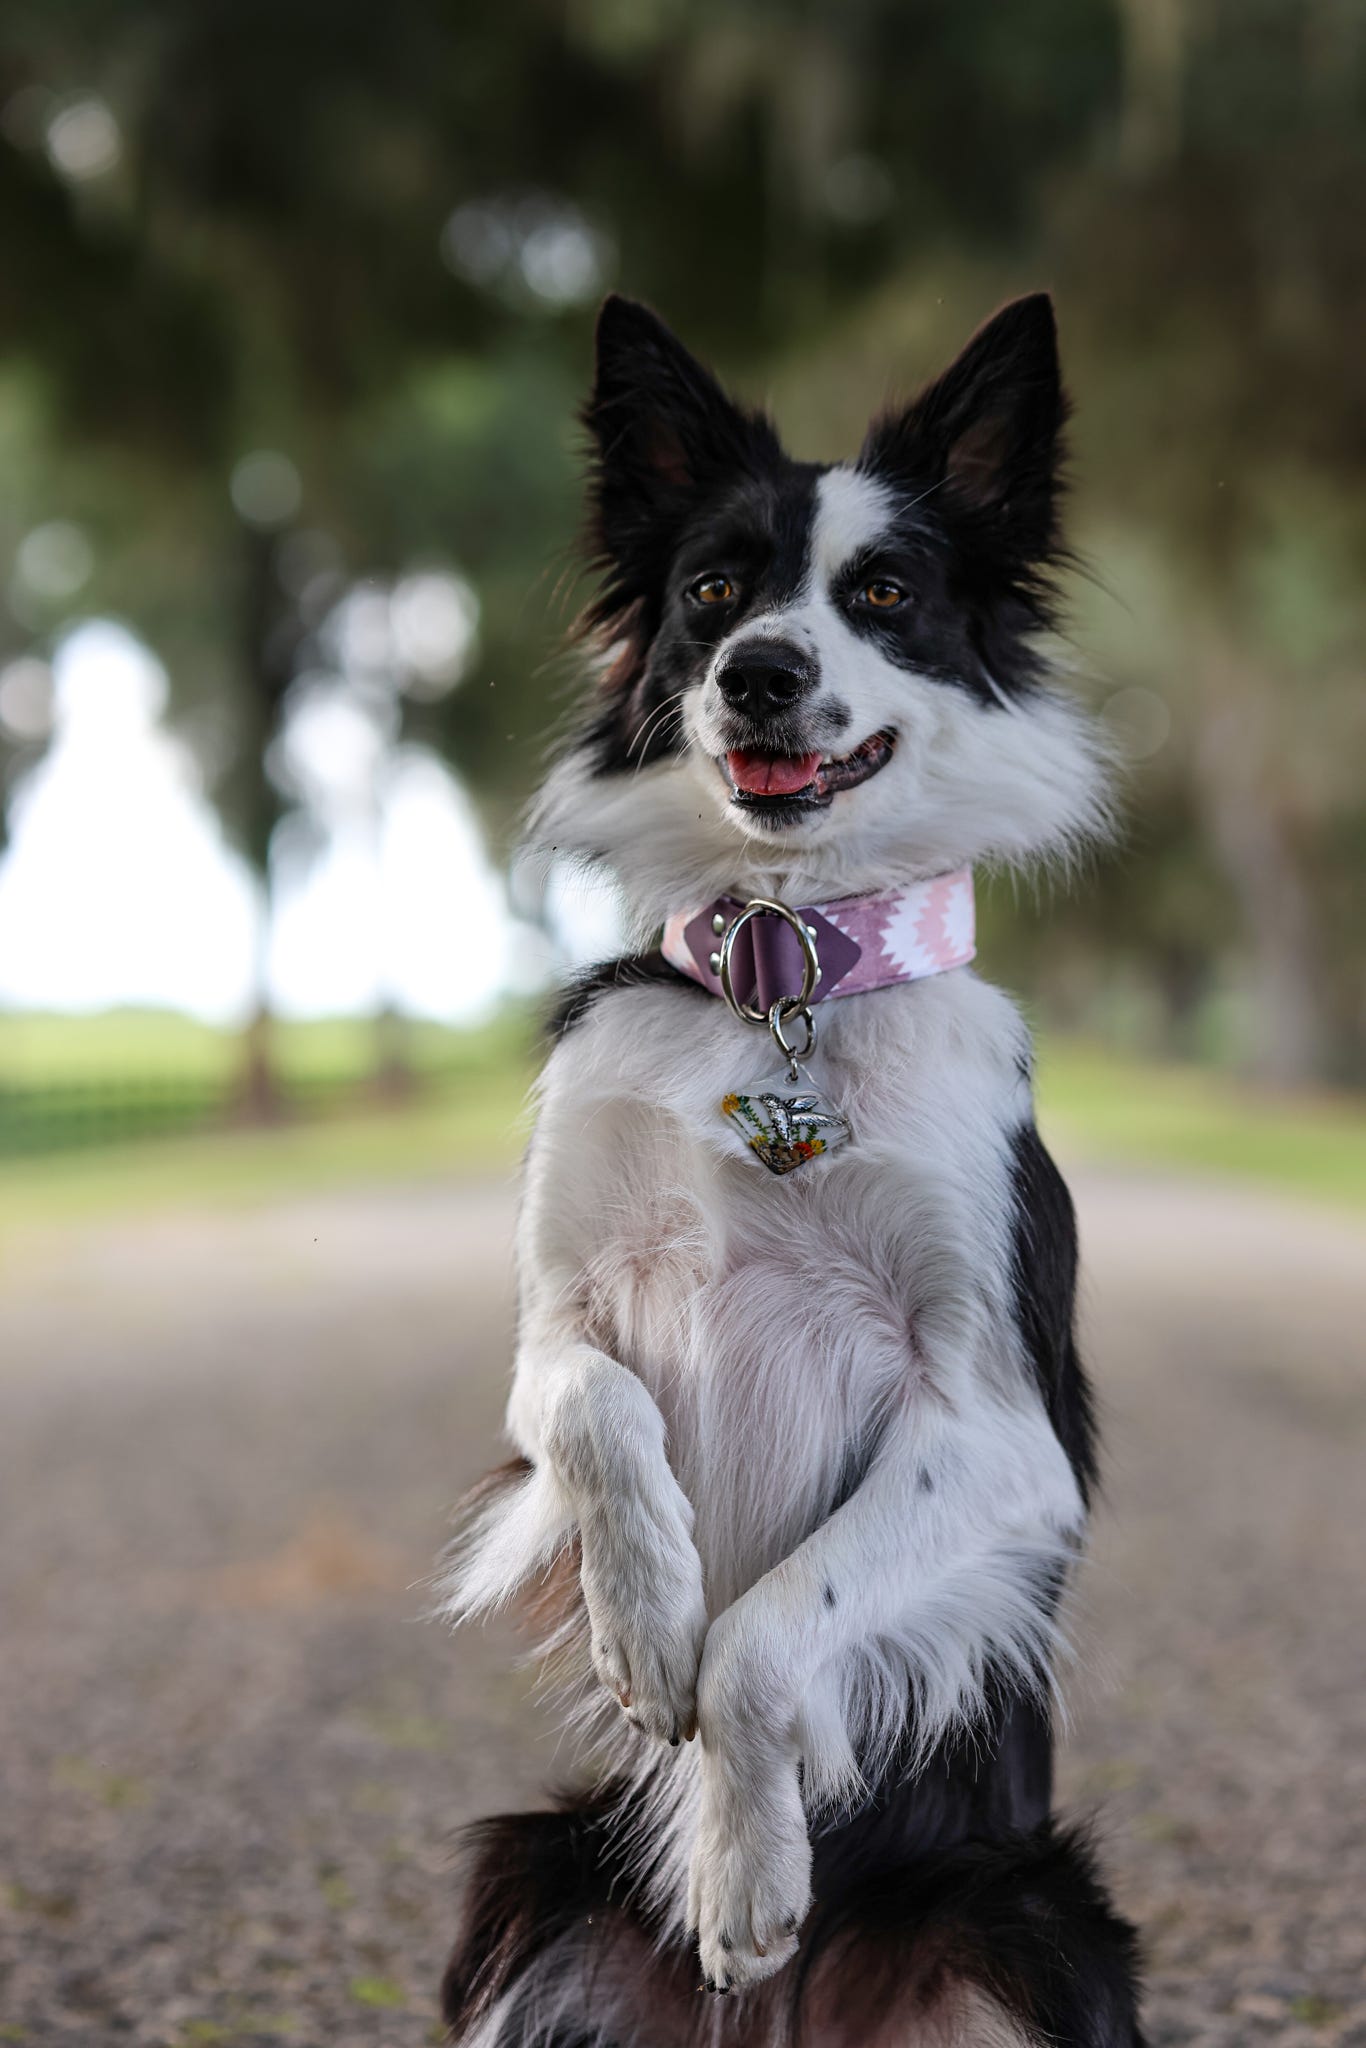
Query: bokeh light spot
x=83, y=139
x=1139, y=721
x=434, y=616
x=265, y=488
x=54, y=560
x=26, y=699
x=858, y=189
x=530, y=248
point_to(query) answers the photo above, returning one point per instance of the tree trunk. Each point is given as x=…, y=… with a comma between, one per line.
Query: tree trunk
x=394, y=1080
x=1154, y=38
x=265, y=652
x=258, y=1098
x=1250, y=830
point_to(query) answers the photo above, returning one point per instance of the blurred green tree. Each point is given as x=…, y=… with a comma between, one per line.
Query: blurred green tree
x=368, y=242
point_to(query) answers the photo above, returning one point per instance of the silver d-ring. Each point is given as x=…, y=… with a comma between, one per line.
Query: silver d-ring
x=767, y=906
x=784, y=1008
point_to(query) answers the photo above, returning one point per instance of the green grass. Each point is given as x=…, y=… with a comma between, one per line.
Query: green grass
x=380, y=1991
x=468, y=1120
x=466, y=1126
x=1100, y=1105
x=43, y=1049
x=136, y=1110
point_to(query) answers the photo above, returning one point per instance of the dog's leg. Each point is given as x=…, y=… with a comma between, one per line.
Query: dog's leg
x=1004, y=1944
x=942, y=1566
x=595, y=1425
x=593, y=1460
x=589, y=1426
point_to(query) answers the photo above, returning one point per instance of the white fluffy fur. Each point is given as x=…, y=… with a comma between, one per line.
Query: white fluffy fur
x=704, y=1348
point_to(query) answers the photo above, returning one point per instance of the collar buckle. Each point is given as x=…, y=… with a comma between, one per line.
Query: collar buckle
x=769, y=906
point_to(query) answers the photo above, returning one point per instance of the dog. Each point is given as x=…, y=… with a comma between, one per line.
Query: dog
x=804, y=1445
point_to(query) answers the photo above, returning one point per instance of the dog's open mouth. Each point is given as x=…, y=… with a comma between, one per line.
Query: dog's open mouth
x=789, y=782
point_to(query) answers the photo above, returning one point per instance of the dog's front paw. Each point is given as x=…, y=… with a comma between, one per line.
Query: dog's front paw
x=649, y=1622
x=749, y=1889
x=650, y=1663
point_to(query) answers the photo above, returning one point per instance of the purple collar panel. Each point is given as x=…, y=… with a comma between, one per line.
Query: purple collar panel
x=861, y=942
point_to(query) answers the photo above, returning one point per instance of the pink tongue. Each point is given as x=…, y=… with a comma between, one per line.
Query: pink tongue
x=772, y=774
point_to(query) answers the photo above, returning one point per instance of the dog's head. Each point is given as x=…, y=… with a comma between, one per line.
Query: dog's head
x=822, y=676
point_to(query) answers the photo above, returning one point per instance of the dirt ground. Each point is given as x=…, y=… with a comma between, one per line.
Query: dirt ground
x=233, y=1754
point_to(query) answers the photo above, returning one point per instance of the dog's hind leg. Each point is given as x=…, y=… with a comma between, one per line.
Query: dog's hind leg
x=603, y=1985
x=550, y=1955
x=1005, y=1944
x=1011, y=1944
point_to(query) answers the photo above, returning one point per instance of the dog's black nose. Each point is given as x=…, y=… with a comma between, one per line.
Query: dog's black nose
x=762, y=677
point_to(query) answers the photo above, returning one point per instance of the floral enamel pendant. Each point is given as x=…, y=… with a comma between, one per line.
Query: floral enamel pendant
x=785, y=1121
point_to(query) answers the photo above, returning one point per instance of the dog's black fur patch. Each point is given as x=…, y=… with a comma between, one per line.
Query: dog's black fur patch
x=977, y=460
x=1044, y=1277
x=676, y=467
x=632, y=970
x=529, y=1878
x=1023, y=1917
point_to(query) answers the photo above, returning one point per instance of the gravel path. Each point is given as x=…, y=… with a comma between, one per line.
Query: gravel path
x=232, y=1755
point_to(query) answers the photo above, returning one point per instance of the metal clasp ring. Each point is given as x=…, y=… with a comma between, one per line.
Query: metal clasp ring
x=784, y=1007
x=767, y=906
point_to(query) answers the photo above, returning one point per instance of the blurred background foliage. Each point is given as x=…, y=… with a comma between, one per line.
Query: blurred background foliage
x=296, y=307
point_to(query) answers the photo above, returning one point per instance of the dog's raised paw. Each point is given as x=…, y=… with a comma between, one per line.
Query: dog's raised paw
x=652, y=1677
x=647, y=1642
x=747, y=1900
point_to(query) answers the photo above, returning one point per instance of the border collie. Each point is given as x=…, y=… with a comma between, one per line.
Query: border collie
x=804, y=1443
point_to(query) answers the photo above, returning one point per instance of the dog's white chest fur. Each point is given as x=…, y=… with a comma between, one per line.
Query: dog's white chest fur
x=774, y=1320
x=791, y=1417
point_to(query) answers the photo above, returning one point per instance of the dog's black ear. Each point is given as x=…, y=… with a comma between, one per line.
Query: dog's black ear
x=986, y=436
x=663, y=431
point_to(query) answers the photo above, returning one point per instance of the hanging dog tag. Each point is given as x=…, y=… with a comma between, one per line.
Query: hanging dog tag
x=786, y=1121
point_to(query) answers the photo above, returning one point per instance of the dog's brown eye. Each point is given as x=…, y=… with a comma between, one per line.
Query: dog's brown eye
x=714, y=590
x=883, y=596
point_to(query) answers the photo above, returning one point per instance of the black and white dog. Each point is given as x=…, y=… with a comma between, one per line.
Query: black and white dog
x=805, y=1454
